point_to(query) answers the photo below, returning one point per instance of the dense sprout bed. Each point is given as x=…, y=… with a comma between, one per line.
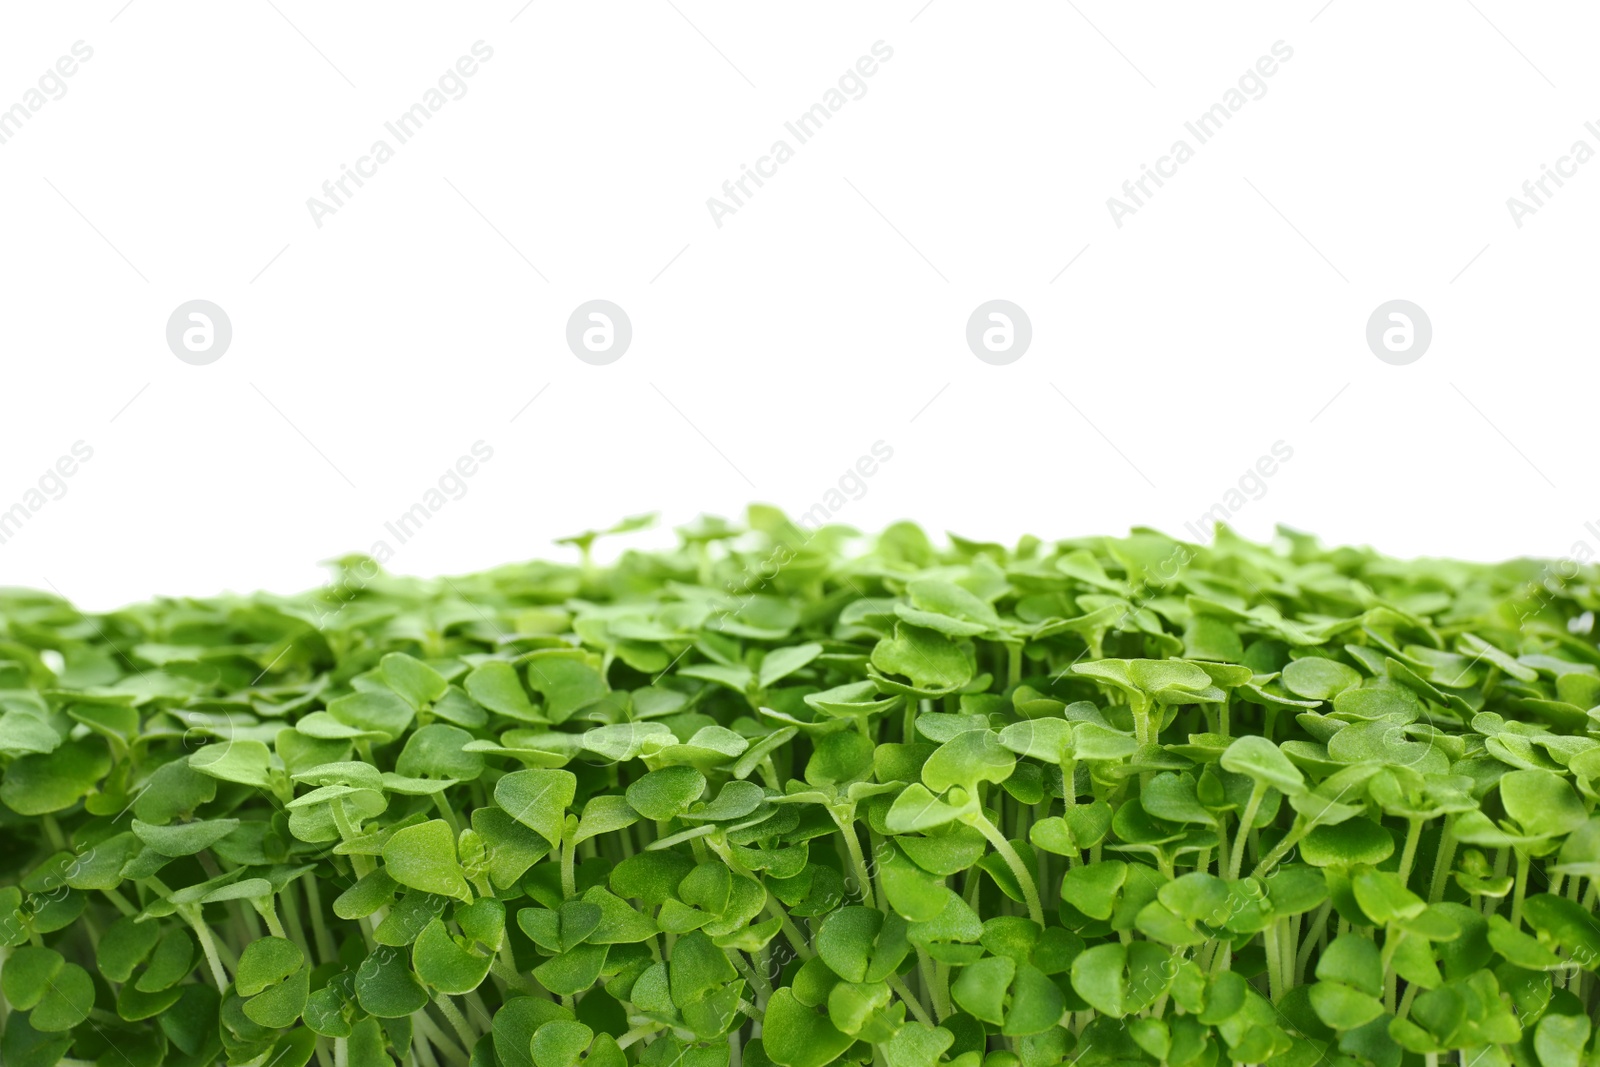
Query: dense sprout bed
x=788, y=796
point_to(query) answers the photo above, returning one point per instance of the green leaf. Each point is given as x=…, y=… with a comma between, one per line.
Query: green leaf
x=246, y=762
x=1353, y=961
x=266, y=962
x=496, y=685
x=560, y=1043
x=41, y=784
x=444, y=964
x=980, y=989
x=916, y=809
x=282, y=1004
x=386, y=987
x=538, y=799
x=795, y=1036
x=927, y=657
x=171, y=962
x=1093, y=888
x=436, y=751
x=123, y=946
x=968, y=758
x=67, y=998
x=416, y=682
x=1098, y=976
x=27, y=975
x=1263, y=762
x=569, y=679
x=1560, y=1040
x=1542, y=803
x=1318, y=678
x=666, y=793
x=424, y=857
x=1036, y=1003
x=782, y=662
x=377, y=711
x=1342, y=1007
x=184, y=839
x=1347, y=844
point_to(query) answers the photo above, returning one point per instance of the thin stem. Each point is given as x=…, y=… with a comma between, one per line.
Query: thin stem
x=1281, y=849
x=912, y=1003
x=1523, y=862
x=457, y=1021
x=425, y=1024
x=1443, y=859
x=940, y=997
x=1257, y=795
x=203, y=932
x=1409, y=855
x=270, y=915
x=1275, y=986
x=1312, y=933
x=847, y=829
x=121, y=902
x=638, y=1033
x=801, y=947
x=1019, y=870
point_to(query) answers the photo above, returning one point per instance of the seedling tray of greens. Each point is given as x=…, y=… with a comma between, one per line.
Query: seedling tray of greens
x=794, y=797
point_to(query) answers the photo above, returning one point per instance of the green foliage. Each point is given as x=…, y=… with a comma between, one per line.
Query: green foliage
x=1102, y=801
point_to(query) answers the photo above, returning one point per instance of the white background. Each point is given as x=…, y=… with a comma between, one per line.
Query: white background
x=827, y=314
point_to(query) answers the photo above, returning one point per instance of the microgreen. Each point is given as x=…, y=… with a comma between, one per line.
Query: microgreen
x=801, y=798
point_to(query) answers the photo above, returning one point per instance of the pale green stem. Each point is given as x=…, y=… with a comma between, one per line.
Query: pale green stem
x=121, y=902
x=852, y=844
x=1409, y=855
x=638, y=1033
x=269, y=914
x=801, y=947
x=1281, y=849
x=203, y=933
x=457, y=1021
x=425, y=1024
x=1442, y=861
x=1257, y=795
x=912, y=1003
x=941, y=999
x=569, y=880
x=319, y=929
x=1019, y=870
x=1275, y=985
x=1523, y=861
